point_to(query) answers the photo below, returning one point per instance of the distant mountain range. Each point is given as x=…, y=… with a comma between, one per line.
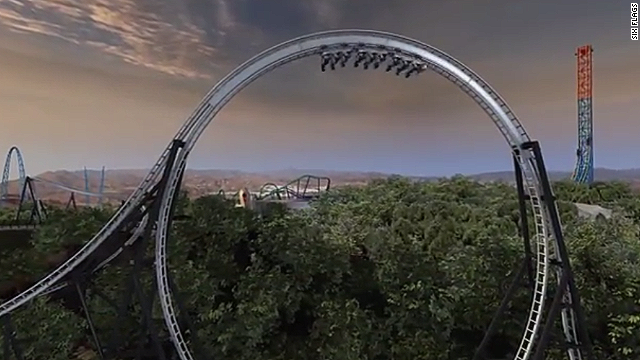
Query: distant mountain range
x=119, y=183
x=600, y=174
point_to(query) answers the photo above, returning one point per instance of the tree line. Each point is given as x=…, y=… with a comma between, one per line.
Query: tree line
x=392, y=270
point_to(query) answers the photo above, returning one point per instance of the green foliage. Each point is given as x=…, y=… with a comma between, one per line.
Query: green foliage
x=48, y=330
x=63, y=228
x=7, y=215
x=392, y=270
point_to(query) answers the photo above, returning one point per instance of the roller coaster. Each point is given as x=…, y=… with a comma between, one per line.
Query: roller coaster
x=28, y=191
x=295, y=194
x=306, y=187
x=303, y=189
x=148, y=212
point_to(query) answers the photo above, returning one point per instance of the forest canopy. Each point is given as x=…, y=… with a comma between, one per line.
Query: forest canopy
x=392, y=270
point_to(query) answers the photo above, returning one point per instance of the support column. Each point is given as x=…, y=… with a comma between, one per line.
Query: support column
x=566, y=282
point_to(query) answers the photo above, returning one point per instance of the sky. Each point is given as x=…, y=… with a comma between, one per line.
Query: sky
x=107, y=83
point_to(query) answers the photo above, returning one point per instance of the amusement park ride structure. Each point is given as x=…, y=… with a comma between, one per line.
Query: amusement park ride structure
x=87, y=198
x=147, y=215
x=584, y=170
x=27, y=190
x=22, y=175
x=295, y=195
x=306, y=187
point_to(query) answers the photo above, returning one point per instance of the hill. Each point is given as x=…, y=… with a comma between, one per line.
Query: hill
x=120, y=182
x=601, y=174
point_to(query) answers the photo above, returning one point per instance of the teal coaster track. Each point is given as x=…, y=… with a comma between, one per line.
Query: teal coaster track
x=306, y=187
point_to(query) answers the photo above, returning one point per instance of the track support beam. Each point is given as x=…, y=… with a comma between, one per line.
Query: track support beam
x=71, y=203
x=134, y=286
x=566, y=287
x=10, y=344
x=27, y=193
x=80, y=290
x=583, y=341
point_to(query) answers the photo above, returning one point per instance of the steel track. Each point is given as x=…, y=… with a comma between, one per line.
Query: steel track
x=289, y=51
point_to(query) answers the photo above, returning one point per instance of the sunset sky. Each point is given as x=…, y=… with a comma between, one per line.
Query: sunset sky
x=109, y=82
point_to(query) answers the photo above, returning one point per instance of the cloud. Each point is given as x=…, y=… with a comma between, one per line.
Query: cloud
x=152, y=34
x=523, y=48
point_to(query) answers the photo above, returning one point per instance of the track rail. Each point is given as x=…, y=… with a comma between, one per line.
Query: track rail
x=344, y=41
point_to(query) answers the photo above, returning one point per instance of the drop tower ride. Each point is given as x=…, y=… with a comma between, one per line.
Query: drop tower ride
x=583, y=172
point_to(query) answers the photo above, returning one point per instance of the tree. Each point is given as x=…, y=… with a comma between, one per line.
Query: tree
x=394, y=269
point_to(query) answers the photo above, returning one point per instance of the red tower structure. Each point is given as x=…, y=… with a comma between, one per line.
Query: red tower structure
x=583, y=172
